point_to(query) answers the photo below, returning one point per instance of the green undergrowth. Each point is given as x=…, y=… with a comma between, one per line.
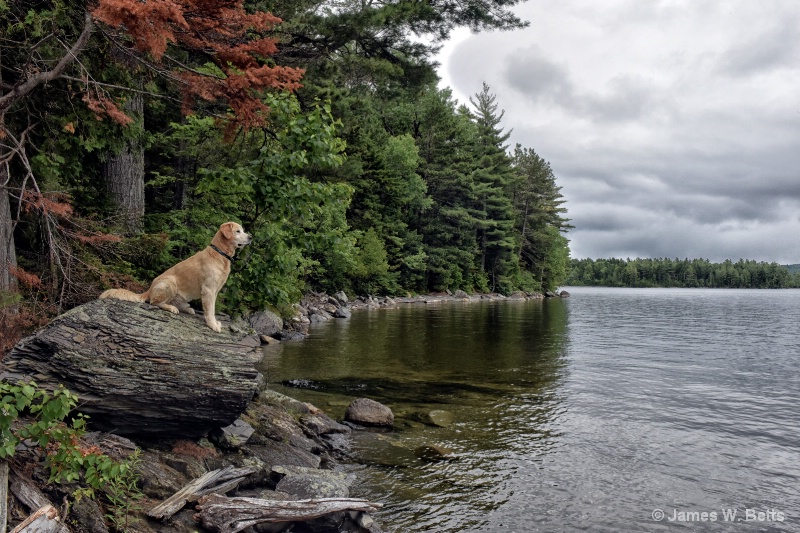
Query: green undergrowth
x=33, y=416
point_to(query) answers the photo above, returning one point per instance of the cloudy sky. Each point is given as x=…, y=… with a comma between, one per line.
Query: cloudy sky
x=673, y=126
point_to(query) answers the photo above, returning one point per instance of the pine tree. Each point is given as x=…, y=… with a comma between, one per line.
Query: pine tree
x=493, y=178
x=540, y=219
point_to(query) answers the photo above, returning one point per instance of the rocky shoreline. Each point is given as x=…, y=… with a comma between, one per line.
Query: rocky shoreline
x=320, y=307
x=289, y=447
x=285, y=449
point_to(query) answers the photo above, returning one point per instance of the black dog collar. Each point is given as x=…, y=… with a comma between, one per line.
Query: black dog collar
x=223, y=254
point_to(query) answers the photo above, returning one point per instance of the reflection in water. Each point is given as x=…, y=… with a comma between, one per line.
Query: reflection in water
x=495, y=366
x=586, y=414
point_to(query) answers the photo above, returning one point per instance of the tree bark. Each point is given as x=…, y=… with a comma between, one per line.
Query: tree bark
x=124, y=173
x=8, y=252
x=140, y=370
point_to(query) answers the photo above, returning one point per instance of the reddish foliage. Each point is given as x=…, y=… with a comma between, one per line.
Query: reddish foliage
x=16, y=324
x=225, y=33
x=97, y=240
x=187, y=447
x=33, y=199
x=32, y=281
x=103, y=106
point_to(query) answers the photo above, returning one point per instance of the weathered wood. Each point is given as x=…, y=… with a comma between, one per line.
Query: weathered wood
x=29, y=495
x=217, y=481
x=141, y=370
x=3, y=496
x=26, y=491
x=229, y=515
x=44, y=520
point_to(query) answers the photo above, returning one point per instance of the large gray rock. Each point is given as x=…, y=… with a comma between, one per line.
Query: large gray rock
x=461, y=295
x=369, y=413
x=266, y=323
x=342, y=297
x=234, y=436
x=140, y=370
x=342, y=312
x=311, y=483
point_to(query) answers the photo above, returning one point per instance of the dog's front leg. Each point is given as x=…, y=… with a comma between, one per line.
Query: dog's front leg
x=209, y=298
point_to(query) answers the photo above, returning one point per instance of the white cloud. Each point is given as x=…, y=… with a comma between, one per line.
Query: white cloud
x=673, y=126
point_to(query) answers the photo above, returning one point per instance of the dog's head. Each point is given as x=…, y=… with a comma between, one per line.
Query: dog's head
x=234, y=234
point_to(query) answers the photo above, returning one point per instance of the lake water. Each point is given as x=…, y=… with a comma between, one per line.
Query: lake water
x=592, y=413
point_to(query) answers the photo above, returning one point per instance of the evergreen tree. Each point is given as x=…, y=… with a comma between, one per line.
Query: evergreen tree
x=493, y=180
x=540, y=219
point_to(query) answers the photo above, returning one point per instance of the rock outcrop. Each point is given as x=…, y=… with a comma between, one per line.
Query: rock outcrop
x=142, y=371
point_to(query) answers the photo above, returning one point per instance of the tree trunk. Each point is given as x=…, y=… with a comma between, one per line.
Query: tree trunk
x=124, y=174
x=8, y=252
x=140, y=370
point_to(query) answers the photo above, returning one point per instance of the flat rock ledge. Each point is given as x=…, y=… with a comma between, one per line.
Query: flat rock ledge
x=139, y=370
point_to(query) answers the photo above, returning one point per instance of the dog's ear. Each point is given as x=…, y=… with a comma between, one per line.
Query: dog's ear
x=227, y=230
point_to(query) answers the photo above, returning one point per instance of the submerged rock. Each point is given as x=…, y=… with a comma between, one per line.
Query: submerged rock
x=433, y=452
x=439, y=418
x=369, y=413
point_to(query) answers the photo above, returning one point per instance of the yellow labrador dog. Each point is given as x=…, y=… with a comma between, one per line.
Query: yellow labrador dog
x=201, y=276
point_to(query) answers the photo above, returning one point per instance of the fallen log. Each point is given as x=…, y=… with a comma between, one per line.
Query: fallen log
x=229, y=515
x=44, y=520
x=217, y=481
x=140, y=370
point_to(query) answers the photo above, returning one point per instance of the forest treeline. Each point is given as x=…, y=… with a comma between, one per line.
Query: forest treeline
x=743, y=274
x=130, y=130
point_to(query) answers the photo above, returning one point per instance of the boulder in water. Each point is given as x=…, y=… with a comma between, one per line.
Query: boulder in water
x=369, y=413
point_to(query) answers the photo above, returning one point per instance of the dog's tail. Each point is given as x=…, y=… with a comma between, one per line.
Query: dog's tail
x=125, y=294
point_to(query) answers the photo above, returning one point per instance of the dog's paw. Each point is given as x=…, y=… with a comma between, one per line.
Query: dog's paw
x=216, y=326
x=189, y=311
x=171, y=308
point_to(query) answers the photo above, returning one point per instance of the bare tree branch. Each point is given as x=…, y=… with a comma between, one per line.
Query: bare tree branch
x=31, y=83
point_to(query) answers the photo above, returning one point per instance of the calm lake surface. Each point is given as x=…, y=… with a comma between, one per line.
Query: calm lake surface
x=590, y=413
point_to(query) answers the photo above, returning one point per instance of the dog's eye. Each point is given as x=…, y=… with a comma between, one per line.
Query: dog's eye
x=238, y=231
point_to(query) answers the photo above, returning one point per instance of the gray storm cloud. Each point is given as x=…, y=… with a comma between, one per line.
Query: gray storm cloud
x=673, y=127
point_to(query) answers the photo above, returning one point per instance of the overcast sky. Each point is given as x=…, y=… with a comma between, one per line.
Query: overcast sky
x=673, y=126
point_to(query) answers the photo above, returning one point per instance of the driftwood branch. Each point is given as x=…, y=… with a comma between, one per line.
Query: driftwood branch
x=44, y=520
x=3, y=496
x=229, y=515
x=216, y=481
